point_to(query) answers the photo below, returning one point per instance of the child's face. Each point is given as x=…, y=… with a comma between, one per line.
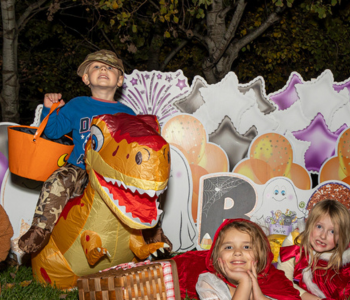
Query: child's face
x=236, y=250
x=101, y=75
x=324, y=236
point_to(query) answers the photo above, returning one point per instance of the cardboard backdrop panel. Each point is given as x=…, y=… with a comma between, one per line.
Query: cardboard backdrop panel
x=214, y=127
x=276, y=206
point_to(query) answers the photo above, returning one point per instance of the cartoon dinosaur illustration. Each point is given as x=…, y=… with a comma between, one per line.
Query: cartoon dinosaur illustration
x=128, y=163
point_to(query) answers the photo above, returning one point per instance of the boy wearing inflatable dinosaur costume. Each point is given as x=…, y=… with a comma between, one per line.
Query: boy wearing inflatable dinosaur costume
x=128, y=164
x=103, y=72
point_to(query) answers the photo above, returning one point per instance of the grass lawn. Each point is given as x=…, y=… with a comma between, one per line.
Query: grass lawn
x=17, y=283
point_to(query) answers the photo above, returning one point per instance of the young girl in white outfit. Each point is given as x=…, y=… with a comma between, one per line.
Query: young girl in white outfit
x=239, y=266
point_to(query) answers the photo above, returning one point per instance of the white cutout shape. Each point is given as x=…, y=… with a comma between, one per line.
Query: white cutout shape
x=254, y=117
x=177, y=222
x=299, y=148
x=291, y=119
x=318, y=96
x=223, y=99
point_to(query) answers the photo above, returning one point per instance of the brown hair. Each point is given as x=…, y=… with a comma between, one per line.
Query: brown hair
x=259, y=242
x=340, y=218
x=86, y=70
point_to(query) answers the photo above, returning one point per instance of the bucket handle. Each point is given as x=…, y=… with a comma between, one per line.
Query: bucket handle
x=43, y=123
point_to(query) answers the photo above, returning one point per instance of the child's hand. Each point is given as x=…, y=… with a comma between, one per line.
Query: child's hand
x=51, y=98
x=235, y=277
x=257, y=293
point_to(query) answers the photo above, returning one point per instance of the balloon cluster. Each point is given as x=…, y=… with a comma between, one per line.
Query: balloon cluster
x=271, y=155
x=338, y=166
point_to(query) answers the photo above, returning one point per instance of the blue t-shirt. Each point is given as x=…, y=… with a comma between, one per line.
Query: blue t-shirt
x=76, y=116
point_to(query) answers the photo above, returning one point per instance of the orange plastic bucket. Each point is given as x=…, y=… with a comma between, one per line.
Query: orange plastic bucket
x=32, y=154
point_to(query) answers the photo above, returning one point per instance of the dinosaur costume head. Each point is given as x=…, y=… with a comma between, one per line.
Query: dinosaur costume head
x=128, y=164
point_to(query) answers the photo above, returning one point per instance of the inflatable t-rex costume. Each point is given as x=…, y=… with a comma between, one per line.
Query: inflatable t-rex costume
x=128, y=163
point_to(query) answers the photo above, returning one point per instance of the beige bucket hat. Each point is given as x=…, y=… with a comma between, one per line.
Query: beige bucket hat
x=105, y=56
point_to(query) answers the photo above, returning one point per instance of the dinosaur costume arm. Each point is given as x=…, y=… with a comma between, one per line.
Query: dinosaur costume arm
x=142, y=250
x=92, y=246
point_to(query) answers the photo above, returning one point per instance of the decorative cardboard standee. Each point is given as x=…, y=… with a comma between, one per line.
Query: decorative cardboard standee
x=311, y=115
x=276, y=206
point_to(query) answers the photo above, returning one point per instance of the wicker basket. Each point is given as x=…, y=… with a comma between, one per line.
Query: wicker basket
x=138, y=283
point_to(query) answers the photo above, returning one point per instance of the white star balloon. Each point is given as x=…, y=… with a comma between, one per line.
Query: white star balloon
x=342, y=115
x=319, y=96
x=299, y=148
x=291, y=119
x=193, y=100
x=223, y=99
x=254, y=117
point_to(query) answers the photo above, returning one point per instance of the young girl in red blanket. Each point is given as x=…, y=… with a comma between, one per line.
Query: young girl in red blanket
x=320, y=258
x=239, y=266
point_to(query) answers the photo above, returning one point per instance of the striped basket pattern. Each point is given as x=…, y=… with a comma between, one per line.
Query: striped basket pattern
x=144, y=282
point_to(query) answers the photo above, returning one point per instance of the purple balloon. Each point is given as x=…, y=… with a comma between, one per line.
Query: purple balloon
x=323, y=142
x=288, y=94
x=338, y=87
x=4, y=164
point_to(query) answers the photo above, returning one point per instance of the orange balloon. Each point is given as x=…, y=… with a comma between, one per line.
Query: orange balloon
x=255, y=169
x=189, y=133
x=300, y=177
x=214, y=159
x=275, y=150
x=331, y=170
x=197, y=172
x=347, y=180
x=344, y=151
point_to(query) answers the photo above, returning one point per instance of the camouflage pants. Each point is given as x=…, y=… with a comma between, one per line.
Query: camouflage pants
x=65, y=183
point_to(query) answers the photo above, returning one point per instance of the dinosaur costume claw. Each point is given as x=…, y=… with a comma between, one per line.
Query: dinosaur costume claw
x=92, y=246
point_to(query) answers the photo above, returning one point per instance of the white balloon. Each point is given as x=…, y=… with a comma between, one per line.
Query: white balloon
x=299, y=148
x=291, y=119
x=254, y=117
x=223, y=99
x=319, y=96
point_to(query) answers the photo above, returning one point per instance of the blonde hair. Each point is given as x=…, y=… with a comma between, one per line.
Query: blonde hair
x=259, y=242
x=340, y=218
